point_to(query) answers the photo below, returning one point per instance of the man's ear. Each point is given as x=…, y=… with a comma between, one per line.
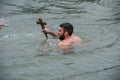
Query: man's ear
x=66, y=33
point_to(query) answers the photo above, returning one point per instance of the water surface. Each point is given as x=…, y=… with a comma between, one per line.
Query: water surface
x=26, y=55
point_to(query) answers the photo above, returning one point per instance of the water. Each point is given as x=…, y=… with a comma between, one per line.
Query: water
x=26, y=55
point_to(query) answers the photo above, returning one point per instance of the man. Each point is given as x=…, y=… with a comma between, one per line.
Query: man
x=64, y=33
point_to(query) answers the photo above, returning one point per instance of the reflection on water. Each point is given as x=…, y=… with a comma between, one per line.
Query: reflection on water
x=26, y=55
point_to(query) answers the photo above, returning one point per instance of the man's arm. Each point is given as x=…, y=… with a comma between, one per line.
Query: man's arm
x=54, y=34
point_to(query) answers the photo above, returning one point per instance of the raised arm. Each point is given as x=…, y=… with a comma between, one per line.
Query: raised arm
x=54, y=34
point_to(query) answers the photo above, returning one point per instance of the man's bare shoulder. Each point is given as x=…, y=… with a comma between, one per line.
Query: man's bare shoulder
x=77, y=39
x=73, y=40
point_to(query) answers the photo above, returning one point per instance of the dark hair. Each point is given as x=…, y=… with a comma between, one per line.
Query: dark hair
x=67, y=27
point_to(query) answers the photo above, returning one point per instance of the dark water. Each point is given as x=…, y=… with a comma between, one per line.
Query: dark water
x=26, y=55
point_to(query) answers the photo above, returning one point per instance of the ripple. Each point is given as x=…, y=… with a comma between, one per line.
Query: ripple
x=71, y=77
x=98, y=38
x=15, y=36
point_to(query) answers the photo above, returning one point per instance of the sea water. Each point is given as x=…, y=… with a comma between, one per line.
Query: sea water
x=25, y=54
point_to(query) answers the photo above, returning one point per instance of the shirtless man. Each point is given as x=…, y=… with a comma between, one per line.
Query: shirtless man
x=64, y=33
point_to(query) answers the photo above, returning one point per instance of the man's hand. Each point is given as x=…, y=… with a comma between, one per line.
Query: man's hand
x=46, y=30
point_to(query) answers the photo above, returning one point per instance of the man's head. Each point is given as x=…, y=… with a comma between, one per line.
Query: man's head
x=65, y=29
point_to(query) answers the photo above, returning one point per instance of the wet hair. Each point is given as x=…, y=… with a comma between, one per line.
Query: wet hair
x=67, y=27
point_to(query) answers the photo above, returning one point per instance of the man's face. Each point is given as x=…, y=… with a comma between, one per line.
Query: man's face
x=61, y=33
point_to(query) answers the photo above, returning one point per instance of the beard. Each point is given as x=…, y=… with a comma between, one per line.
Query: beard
x=61, y=37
